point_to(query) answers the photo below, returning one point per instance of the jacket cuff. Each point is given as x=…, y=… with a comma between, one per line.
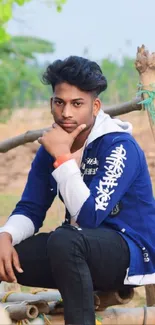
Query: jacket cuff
x=19, y=227
x=72, y=187
x=65, y=170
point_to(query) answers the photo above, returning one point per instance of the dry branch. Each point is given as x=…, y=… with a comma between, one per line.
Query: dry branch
x=124, y=108
x=31, y=136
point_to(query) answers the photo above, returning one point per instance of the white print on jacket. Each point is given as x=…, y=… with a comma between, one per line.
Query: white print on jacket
x=89, y=171
x=114, y=169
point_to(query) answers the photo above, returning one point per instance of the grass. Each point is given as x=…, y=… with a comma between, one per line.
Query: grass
x=54, y=215
x=7, y=203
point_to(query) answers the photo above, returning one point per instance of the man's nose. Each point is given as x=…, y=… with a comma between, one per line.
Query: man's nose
x=67, y=111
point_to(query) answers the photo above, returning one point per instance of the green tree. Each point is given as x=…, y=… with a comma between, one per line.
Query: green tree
x=25, y=47
x=6, y=11
x=122, y=80
x=20, y=72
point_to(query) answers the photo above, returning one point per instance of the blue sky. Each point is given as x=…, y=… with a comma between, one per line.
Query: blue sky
x=105, y=28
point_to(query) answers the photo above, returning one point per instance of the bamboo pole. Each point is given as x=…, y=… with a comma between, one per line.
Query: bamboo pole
x=128, y=316
x=51, y=295
x=107, y=299
x=102, y=300
x=119, y=316
x=21, y=311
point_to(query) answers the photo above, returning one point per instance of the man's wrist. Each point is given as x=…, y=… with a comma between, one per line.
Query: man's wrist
x=7, y=235
x=60, y=151
x=62, y=159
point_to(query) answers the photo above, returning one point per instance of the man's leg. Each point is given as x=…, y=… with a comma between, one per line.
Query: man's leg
x=84, y=260
x=32, y=254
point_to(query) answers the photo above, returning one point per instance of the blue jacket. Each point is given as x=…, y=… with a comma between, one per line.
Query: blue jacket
x=111, y=189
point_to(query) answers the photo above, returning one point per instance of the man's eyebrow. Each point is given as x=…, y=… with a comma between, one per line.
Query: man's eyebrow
x=76, y=99
x=59, y=98
x=73, y=100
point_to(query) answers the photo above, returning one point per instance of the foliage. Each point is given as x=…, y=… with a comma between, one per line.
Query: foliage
x=23, y=47
x=20, y=73
x=6, y=11
x=122, y=80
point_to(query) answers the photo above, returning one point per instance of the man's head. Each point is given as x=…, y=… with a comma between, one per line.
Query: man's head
x=76, y=84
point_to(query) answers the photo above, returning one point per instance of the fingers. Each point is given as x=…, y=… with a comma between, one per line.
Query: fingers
x=78, y=130
x=41, y=138
x=9, y=270
x=6, y=267
x=3, y=275
x=45, y=132
x=54, y=125
x=16, y=262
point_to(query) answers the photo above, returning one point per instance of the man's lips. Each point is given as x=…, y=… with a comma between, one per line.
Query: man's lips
x=67, y=124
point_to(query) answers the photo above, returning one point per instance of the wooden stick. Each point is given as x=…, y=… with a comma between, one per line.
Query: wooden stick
x=31, y=136
x=124, y=108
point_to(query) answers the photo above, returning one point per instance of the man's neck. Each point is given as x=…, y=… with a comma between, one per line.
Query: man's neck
x=80, y=140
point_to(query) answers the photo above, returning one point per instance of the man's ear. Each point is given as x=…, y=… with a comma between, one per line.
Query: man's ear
x=97, y=106
x=51, y=104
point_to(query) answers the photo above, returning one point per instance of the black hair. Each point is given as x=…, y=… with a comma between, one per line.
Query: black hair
x=77, y=71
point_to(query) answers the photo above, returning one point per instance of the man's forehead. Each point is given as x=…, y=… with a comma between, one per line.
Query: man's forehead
x=69, y=92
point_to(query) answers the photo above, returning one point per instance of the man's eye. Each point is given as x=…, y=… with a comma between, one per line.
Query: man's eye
x=77, y=104
x=58, y=102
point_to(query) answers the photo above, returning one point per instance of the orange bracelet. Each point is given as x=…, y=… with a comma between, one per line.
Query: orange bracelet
x=61, y=159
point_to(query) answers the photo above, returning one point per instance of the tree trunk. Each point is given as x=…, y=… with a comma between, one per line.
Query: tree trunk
x=145, y=64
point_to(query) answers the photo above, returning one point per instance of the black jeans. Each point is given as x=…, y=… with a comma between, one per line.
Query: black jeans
x=76, y=262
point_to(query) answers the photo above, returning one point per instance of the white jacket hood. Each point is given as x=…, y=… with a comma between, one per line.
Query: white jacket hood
x=104, y=124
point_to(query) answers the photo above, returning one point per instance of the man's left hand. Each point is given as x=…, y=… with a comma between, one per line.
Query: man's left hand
x=57, y=141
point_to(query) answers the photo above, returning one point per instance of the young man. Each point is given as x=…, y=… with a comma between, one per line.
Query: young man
x=102, y=177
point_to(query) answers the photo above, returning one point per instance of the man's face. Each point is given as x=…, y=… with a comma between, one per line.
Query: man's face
x=71, y=107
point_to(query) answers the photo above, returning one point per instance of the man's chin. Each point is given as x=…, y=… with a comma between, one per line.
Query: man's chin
x=68, y=128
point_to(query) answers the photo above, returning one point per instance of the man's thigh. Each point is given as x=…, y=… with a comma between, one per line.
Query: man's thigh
x=108, y=257
x=32, y=254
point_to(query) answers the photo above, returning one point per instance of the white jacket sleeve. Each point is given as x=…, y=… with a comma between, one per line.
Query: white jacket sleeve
x=74, y=196
x=19, y=227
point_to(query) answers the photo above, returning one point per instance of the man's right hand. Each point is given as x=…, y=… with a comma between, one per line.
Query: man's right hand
x=8, y=259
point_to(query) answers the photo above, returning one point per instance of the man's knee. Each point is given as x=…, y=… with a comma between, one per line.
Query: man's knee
x=61, y=243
